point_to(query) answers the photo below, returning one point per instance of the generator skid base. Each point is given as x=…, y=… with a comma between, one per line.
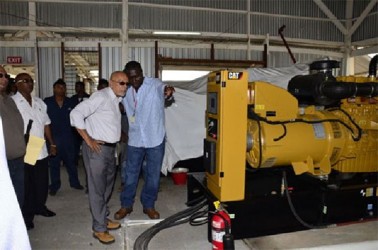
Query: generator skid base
x=266, y=210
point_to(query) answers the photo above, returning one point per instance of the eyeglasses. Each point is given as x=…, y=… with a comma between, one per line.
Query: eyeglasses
x=30, y=80
x=4, y=75
x=120, y=83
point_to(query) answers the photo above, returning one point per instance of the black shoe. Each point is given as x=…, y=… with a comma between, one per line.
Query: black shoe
x=46, y=213
x=78, y=187
x=29, y=225
x=53, y=192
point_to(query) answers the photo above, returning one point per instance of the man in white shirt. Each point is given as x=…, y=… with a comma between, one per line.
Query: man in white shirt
x=36, y=177
x=98, y=121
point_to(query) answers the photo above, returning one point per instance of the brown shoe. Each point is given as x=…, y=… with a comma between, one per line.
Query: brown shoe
x=112, y=225
x=122, y=212
x=104, y=237
x=152, y=213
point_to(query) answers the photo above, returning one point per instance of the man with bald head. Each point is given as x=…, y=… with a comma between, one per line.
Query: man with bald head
x=13, y=127
x=98, y=121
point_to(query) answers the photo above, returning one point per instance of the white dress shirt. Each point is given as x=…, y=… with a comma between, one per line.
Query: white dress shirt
x=38, y=113
x=99, y=116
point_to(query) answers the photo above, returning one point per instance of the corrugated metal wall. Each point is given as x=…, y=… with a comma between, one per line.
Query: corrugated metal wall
x=80, y=15
x=368, y=28
x=50, y=60
x=186, y=20
x=14, y=13
x=146, y=57
x=111, y=61
x=283, y=59
x=27, y=54
x=50, y=69
x=303, y=18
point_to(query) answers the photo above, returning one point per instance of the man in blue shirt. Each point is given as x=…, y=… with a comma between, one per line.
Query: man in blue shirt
x=58, y=108
x=144, y=104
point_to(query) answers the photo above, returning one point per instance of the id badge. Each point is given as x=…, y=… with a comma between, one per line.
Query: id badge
x=132, y=119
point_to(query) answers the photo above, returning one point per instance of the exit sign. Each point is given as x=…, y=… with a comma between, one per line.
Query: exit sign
x=14, y=59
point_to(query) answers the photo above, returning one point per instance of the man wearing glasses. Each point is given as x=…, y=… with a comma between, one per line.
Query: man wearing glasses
x=13, y=127
x=36, y=177
x=98, y=121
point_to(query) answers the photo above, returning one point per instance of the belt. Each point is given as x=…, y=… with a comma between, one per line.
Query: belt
x=109, y=144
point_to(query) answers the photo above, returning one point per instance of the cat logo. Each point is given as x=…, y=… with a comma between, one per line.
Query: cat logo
x=235, y=75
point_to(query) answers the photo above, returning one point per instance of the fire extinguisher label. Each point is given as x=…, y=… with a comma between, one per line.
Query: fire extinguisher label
x=217, y=236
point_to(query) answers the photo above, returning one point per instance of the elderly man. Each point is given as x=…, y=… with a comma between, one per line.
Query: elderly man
x=98, y=121
x=36, y=177
x=13, y=127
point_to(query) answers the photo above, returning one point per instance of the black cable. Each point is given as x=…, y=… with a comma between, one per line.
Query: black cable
x=339, y=121
x=252, y=115
x=195, y=201
x=199, y=218
x=179, y=218
x=283, y=135
x=293, y=209
x=143, y=240
x=350, y=119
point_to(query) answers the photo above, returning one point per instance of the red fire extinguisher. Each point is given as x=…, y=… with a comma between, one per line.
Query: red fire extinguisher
x=221, y=237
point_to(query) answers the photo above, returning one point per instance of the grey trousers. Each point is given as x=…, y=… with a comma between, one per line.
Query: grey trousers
x=101, y=170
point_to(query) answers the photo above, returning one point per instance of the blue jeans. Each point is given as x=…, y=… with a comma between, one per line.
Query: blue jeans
x=151, y=175
x=16, y=171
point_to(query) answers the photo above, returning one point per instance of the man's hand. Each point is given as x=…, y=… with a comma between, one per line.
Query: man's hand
x=53, y=150
x=94, y=145
x=168, y=91
x=168, y=95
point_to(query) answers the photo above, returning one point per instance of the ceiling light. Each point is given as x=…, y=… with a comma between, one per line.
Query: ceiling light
x=190, y=33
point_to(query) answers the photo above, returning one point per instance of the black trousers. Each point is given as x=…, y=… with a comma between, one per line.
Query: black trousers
x=36, y=189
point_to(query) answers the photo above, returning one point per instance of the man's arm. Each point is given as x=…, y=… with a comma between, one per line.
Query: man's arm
x=48, y=136
x=78, y=116
x=94, y=145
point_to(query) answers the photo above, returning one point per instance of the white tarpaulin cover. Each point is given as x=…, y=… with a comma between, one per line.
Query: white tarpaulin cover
x=185, y=119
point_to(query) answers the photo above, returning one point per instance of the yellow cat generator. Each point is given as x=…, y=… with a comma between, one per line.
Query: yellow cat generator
x=286, y=160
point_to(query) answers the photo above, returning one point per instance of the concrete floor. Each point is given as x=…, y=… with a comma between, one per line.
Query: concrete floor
x=71, y=228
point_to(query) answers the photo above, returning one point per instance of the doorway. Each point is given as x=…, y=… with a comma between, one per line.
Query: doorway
x=80, y=65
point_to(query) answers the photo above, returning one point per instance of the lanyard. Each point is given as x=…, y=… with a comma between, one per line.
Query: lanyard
x=135, y=102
